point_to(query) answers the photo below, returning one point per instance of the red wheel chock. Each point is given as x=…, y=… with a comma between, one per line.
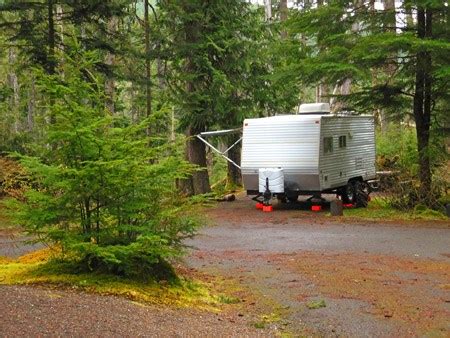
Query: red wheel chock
x=316, y=207
x=259, y=205
x=267, y=208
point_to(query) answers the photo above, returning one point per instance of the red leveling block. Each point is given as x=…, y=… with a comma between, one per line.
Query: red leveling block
x=267, y=208
x=259, y=205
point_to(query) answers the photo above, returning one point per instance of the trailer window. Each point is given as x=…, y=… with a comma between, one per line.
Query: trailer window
x=327, y=145
x=342, y=141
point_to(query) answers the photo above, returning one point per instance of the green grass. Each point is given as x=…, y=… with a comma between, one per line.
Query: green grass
x=379, y=208
x=259, y=325
x=224, y=299
x=269, y=318
x=316, y=304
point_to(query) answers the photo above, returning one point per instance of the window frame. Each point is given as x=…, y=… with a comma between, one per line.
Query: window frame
x=343, y=141
x=327, y=145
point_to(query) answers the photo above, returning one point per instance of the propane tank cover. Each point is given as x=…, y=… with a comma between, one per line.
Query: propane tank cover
x=275, y=177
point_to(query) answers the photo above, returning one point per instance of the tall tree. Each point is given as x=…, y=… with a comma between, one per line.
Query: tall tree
x=148, y=88
x=417, y=56
x=210, y=45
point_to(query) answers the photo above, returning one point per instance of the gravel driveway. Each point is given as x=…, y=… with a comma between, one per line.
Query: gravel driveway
x=371, y=279
x=13, y=244
x=34, y=312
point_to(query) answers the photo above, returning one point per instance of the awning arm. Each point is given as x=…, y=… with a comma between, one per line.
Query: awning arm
x=235, y=143
x=199, y=136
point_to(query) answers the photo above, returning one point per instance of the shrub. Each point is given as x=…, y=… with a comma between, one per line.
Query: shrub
x=397, y=154
x=103, y=191
x=13, y=178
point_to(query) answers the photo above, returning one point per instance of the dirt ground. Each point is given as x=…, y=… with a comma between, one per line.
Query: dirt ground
x=325, y=277
x=27, y=311
x=292, y=271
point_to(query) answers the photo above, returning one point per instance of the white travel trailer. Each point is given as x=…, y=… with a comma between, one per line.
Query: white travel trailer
x=310, y=153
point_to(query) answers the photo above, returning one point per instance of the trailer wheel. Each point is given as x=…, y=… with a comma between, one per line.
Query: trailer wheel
x=282, y=198
x=293, y=198
x=347, y=193
x=362, y=191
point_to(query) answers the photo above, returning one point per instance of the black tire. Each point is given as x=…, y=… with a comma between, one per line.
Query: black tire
x=347, y=193
x=292, y=199
x=282, y=199
x=362, y=191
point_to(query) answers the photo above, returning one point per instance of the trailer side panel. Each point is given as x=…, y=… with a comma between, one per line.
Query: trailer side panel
x=347, y=150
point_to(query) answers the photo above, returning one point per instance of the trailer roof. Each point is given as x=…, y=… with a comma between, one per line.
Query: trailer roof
x=299, y=117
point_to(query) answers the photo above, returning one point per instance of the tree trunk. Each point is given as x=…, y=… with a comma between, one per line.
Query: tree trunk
x=268, y=9
x=14, y=85
x=283, y=16
x=322, y=93
x=172, y=125
x=390, y=66
x=110, y=60
x=195, y=153
x=422, y=102
x=51, y=62
x=346, y=84
x=60, y=22
x=51, y=59
x=31, y=104
x=389, y=7
x=148, y=89
x=409, y=17
x=234, y=176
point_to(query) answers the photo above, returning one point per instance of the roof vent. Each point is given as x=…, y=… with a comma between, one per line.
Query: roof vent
x=314, y=108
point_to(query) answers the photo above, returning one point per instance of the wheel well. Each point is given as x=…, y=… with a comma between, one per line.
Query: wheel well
x=356, y=179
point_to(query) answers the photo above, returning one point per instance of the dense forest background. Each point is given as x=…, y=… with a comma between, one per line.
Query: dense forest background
x=100, y=101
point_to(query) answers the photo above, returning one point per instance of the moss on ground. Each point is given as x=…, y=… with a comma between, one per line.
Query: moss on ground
x=42, y=268
x=379, y=208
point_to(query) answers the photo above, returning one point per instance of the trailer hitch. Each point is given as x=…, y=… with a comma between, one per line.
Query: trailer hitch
x=267, y=194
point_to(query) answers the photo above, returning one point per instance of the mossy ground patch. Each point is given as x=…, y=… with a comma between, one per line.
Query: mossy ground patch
x=41, y=267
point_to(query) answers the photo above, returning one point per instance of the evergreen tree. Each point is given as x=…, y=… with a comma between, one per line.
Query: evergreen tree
x=220, y=66
x=417, y=56
x=99, y=191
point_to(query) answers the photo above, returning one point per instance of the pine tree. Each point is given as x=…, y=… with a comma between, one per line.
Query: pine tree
x=219, y=73
x=99, y=192
x=417, y=57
